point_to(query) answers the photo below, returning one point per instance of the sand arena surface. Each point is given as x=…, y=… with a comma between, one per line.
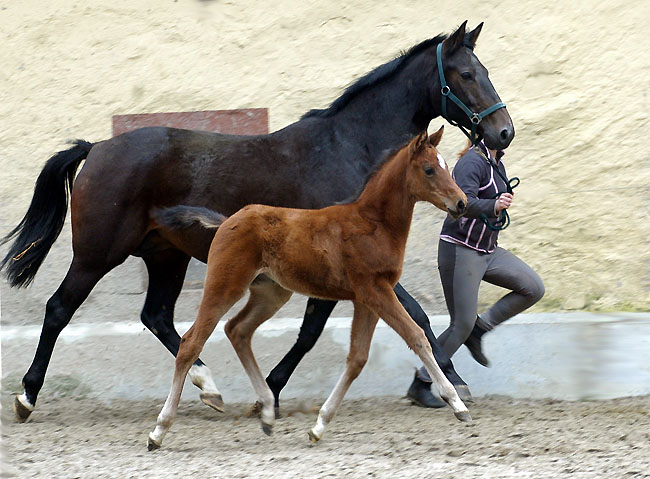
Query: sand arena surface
x=380, y=437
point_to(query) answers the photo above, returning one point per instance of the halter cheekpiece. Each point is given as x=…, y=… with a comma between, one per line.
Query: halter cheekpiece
x=474, y=118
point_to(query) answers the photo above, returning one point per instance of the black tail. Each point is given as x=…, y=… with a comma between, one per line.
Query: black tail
x=180, y=217
x=44, y=219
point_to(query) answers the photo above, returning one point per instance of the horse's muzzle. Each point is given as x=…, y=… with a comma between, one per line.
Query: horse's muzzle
x=459, y=210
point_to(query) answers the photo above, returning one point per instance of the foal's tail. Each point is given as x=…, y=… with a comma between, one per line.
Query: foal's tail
x=44, y=219
x=180, y=217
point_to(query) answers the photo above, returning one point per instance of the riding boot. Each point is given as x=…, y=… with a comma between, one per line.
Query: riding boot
x=473, y=343
x=420, y=394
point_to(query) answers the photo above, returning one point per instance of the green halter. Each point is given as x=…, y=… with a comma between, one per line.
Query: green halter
x=474, y=118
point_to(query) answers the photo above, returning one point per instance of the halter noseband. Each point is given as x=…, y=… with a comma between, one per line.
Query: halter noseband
x=474, y=118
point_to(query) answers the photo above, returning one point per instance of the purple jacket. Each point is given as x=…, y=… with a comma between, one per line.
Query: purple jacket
x=477, y=178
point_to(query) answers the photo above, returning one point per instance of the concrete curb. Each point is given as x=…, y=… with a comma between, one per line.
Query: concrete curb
x=560, y=355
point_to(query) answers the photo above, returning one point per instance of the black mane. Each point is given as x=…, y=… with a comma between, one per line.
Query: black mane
x=386, y=156
x=375, y=76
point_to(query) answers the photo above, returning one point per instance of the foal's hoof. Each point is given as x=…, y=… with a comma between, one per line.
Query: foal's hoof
x=313, y=437
x=463, y=416
x=152, y=444
x=213, y=400
x=463, y=393
x=22, y=410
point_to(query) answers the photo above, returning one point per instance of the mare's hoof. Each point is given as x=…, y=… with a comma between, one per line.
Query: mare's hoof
x=419, y=393
x=152, y=444
x=463, y=416
x=21, y=410
x=213, y=400
x=276, y=409
x=463, y=393
x=313, y=437
x=267, y=428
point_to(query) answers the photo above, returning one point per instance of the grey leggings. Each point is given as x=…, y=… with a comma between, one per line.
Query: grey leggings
x=461, y=271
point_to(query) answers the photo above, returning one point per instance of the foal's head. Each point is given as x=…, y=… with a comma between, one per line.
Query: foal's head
x=428, y=175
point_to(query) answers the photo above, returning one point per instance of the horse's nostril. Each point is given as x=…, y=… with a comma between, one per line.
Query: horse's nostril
x=461, y=206
x=505, y=134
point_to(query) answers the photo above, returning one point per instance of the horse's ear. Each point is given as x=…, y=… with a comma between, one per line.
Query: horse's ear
x=418, y=142
x=473, y=36
x=455, y=40
x=437, y=136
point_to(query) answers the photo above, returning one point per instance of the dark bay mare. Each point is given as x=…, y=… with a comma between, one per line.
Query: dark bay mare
x=321, y=159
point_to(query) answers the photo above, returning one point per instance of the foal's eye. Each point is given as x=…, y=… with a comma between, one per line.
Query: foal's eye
x=466, y=76
x=428, y=170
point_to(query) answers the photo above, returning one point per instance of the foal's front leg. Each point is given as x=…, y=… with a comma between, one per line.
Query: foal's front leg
x=361, y=331
x=384, y=302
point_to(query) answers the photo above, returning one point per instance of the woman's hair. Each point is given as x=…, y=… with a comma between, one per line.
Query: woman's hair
x=469, y=145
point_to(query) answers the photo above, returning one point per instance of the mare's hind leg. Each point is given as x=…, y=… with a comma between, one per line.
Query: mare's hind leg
x=361, y=331
x=74, y=289
x=166, y=271
x=266, y=298
x=382, y=300
x=316, y=315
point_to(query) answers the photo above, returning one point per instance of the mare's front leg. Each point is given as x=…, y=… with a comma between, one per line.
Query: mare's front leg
x=361, y=331
x=383, y=301
x=316, y=315
x=166, y=271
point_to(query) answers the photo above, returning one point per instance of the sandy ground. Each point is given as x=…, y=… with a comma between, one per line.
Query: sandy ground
x=381, y=437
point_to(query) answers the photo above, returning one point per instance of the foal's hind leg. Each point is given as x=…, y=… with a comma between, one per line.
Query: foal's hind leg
x=265, y=299
x=383, y=301
x=166, y=271
x=316, y=315
x=362, y=329
x=218, y=297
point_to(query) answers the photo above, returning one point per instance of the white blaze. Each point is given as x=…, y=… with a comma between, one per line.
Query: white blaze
x=442, y=162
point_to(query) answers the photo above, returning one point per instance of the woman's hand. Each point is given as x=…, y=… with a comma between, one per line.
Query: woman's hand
x=503, y=202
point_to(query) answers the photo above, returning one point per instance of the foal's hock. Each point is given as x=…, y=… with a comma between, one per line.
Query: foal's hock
x=351, y=251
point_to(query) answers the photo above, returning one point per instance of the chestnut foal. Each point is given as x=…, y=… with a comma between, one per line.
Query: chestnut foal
x=349, y=251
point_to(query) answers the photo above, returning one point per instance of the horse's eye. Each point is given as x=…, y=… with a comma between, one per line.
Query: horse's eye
x=428, y=170
x=466, y=76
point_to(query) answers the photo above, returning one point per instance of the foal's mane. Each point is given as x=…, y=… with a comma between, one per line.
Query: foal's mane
x=372, y=78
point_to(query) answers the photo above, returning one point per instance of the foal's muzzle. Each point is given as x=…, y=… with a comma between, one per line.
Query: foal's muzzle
x=459, y=210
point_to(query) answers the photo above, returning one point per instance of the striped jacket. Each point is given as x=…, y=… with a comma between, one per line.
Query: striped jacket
x=481, y=184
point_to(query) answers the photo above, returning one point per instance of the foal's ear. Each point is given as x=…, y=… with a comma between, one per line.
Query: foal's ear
x=437, y=136
x=473, y=36
x=456, y=39
x=418, y=142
